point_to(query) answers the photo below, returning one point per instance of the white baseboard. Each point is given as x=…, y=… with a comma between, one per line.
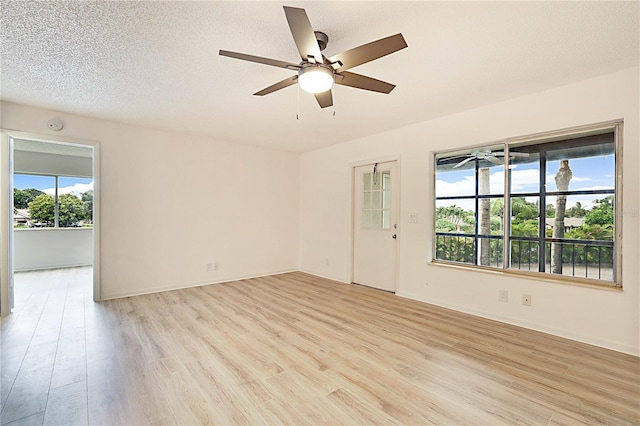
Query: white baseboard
x=326, y=277
x=603, y=343
x=189, y=285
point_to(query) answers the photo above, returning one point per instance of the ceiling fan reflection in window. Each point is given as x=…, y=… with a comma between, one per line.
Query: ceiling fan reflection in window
x=491, y=157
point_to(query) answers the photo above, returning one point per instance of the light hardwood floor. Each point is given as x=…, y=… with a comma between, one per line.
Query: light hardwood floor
x=291, y=349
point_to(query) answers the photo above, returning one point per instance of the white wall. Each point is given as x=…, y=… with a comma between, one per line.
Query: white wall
x=171, y=203
x=52, y=248
x=601, y=317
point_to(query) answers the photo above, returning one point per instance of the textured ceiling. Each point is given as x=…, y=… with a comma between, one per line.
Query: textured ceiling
x=156, y=63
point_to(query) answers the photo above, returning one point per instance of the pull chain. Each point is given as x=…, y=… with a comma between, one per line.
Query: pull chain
x=334, y=96
x=298, y=109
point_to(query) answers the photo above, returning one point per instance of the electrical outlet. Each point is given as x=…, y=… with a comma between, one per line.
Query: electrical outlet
x=413, y=218
x=503, y=296
x=209, y=267
x=526, y=299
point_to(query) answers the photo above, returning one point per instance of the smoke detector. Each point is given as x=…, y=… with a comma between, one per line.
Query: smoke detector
x=55, y=124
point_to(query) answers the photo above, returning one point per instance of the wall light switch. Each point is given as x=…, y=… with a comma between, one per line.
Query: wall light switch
x=413, y=218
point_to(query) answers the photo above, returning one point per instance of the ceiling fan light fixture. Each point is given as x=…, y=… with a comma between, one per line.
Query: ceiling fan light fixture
x=315, y=78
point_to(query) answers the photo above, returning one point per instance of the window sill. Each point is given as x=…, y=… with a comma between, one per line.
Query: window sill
x=75, y=228
x=574, y=281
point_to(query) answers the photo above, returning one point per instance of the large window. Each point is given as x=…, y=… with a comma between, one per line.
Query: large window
x=52, y=201
x=546, y=205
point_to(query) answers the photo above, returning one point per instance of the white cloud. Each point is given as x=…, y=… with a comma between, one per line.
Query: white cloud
x=467, y=186
x=76, y=189
x=521, y=181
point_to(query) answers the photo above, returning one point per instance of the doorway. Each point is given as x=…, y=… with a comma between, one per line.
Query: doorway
x=55, y=223
x=375, y=224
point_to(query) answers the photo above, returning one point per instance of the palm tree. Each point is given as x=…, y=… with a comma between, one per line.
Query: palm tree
x=563, y=177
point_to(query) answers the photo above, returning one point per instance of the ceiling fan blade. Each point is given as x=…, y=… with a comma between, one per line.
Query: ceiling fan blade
x=463, y=162
x=493, y=160
x=363, y=82
x=279, y=85
x=260, y=60
x=303, y=34
x=518, y=154
x=325, y=99
x=368, y=52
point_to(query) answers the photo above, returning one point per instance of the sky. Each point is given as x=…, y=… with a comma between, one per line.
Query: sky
x=589, y=173
x=66, y=185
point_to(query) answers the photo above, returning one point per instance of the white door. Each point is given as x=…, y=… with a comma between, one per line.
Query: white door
x=375, y=227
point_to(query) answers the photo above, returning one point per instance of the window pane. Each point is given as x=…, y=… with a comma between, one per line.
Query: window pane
x=75, y=202
x=524, y=254
x=455, y=216
x=386, y=199
x=377, y=181
x=525, y=216
x=581, y=170
x=455, y=248
x=366, y=200
x=366, y=180
x=376, y=219
x=366, y=218
x=386, y=219
x=376, y=200
x=524, y=169
x=588, y=218
x=386, y=180
x=456, y=172
x=33, y=201
x=451, y=183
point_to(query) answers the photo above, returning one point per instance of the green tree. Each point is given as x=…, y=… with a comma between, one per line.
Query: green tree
x=443, y=225
x=87, y=201
x=22, y=197
x=459, y=217
x=550, y=211
x=42, y=209
x=602, y=213
x=71, y=210
x=576, y=211
x=527, y=228
x=523, y=210
x=592, y=232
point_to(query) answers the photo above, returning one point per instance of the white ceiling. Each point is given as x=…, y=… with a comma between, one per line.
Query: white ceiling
x=156, y=63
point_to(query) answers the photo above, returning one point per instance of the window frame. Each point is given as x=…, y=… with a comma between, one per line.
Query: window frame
x=615, y=126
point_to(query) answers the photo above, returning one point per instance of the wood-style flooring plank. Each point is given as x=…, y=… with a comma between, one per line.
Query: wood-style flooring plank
x=291, y=349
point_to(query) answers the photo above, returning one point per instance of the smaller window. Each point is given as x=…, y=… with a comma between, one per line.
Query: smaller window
x=52, y=201
x=376, y=200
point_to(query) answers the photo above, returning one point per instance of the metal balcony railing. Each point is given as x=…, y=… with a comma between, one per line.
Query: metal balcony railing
x=580, y=258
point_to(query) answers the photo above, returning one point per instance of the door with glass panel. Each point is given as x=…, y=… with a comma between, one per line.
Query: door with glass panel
x=375, y=232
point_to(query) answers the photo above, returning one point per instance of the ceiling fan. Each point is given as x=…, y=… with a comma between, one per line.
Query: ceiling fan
x=316, y=73
x=492, y=157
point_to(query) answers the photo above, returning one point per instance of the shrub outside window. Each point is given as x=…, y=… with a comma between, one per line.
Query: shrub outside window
x=543, y=205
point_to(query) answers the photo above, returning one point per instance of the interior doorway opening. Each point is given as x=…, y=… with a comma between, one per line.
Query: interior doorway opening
x=53, y=204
